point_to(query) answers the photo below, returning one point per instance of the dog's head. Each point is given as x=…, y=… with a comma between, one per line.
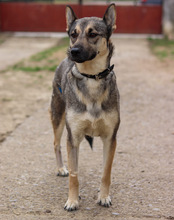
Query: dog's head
x=89, y=36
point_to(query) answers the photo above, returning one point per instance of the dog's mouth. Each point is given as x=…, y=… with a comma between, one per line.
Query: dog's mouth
x=79, y=55
x=81, y=59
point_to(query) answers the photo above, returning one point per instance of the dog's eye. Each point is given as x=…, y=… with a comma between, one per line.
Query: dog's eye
x=92, y=35
x=74, y=35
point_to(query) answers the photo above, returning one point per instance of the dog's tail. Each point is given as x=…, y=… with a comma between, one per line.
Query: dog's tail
x=90, y=140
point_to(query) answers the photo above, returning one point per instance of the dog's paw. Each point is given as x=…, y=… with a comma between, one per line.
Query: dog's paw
x=71, y=205
x=104, y=201
x=63, y=172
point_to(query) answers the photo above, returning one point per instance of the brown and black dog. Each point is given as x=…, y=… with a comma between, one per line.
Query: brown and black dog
x=86, y=99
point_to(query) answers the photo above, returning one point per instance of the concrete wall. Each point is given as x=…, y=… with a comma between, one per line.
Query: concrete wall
x=168, y=18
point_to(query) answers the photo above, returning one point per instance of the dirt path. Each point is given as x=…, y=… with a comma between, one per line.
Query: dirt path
x=21, y=93
x=15, y=49
x=143, y=170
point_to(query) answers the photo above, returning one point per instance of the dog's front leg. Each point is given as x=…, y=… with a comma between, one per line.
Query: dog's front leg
x=73, y=199
x=109, y=146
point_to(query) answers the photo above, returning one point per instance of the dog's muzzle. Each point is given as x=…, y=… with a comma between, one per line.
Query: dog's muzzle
x=75, y=51
x=80, y=55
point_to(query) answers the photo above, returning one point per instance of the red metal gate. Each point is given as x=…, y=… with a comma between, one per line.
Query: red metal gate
x=51, y=17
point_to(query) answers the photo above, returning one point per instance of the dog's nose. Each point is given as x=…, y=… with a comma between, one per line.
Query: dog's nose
x=75, y=51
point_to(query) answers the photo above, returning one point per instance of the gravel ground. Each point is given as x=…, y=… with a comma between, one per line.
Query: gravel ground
x=143, y=169
x=15, y=49
x=21, y=93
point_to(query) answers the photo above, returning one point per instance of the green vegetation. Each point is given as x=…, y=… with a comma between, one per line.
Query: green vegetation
x=162, y=48
x=1, y=41
x=6, y=99
x=47, y=53
x=47, y=60
x=33, y=69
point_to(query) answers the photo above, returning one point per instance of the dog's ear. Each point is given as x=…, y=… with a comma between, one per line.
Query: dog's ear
x=110, y=17
x=70, y=17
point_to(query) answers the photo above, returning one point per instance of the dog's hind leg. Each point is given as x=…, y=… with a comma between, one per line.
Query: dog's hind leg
x=62, y=171
x=58, y=122
x=109, y=146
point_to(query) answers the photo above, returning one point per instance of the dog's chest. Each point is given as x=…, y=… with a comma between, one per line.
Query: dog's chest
x=93, y=87
x=92, y=93
x=87, y=124
x=94, y=121
x=95, y=98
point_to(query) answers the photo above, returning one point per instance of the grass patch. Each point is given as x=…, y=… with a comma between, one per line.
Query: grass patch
x=162, y=48
x=35, y=68
x=6, y=99
x=47, y=53
x=1, y=41
x=47, y=60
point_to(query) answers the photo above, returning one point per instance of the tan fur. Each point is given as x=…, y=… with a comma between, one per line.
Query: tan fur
x=62, y=171
x=58, y=132
x=93, y=91
x=67, y=18
x=73, y=199
x=98, y=64
x=102, y=126
x=78, y=30
x=91, y=103
x=108, y=153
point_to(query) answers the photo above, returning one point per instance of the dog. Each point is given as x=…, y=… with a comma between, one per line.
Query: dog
x=86, y=98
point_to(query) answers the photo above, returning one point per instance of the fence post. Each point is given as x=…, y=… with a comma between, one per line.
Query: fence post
x=80, y=2
x=168, y=19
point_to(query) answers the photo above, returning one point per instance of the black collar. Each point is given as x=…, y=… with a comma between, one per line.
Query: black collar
x=99, y=75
